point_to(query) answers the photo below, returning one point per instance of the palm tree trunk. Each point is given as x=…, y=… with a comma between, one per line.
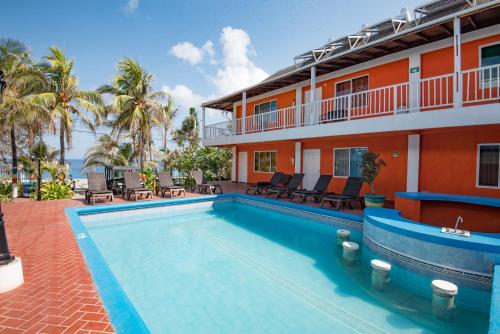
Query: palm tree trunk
x=61, y=144
x=13, y=148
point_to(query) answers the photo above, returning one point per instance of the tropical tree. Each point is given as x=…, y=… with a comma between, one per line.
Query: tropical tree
x=66, y=101
x=109, y=152
x=21, y=79
x=188, y=132
x=136, y=107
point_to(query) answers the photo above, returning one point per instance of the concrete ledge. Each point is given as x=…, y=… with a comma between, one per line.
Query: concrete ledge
x=11, y=275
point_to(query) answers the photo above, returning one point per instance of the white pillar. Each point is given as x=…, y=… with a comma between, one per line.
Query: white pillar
x=457, y=60
x=298, y=157
x=414, y=103
x=243, y=112
x=234, y=121
x=312, y=92
x=298, y=103
x=412, y=169
x=202, y=125
x=234, y=161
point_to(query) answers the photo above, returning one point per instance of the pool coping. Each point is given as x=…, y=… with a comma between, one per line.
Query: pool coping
x=123, y=315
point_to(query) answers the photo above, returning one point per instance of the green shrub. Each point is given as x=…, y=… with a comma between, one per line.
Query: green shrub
x=149, y=178
x=55, y=190
x=5, y=191
x=371, y=164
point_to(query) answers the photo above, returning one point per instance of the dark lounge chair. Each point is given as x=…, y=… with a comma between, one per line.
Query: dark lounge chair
x=133, y=187
x=97, y=188
x=202, y=186
x=261, y=186
x=293, y=185
x=319, y=190
x=166, y=184
x=349, y=195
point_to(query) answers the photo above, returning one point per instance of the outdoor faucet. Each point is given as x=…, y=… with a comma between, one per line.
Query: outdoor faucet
x=459, y=220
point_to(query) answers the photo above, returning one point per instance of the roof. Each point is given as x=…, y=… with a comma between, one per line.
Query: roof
x=427, y=23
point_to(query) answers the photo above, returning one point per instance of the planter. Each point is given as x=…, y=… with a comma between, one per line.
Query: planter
x=374, y=200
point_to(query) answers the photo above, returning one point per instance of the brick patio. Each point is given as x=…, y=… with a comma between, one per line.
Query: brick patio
x=58, y=295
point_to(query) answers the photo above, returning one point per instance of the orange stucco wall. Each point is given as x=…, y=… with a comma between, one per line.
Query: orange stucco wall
x=285, y=151
x=433, y=63
x=440, y=61
x=448, y=160
x=377, y=77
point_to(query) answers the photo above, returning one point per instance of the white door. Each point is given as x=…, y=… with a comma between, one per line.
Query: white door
x=311, y=168
x=312, y=114
x=242, y=167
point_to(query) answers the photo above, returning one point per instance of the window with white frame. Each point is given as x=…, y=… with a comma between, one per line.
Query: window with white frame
x=265, y=162
x=490, y=64
x=266, y=119
x=347, y=161
x=488, y=165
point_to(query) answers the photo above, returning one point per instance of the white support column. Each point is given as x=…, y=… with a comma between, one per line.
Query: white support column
x=234, y=162
x=414, y=88
x=202, y=125
x=413, y=169
x=457, y=60
x=235, y=123
x=243, y=112
x=298, y=157
x=313, y=93
x=298, y=103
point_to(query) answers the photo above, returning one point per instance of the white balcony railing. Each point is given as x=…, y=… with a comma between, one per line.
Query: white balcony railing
x=479, y=86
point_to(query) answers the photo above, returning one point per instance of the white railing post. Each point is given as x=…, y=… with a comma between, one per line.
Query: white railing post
x=313, y=94
x=284, y=117
x=243, y=112
x=261, y=122
x=202, y=124
x=234, y=130
x=395, y=98
x=457, y=60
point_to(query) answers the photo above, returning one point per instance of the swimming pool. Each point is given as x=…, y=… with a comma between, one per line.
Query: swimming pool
x=232, y=264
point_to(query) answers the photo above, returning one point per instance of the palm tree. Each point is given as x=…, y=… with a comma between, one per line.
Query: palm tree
x=136, y=106
x=65, y=99
x=109, y=152
x=23, y=79
x=189, y=130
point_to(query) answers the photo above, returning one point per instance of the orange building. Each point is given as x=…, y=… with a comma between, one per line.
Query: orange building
x=421, y=89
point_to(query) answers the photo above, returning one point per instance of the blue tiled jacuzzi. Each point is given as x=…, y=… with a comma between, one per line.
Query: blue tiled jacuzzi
x=238, y=263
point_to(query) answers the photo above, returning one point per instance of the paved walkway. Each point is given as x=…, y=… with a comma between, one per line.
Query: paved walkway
x=58, y=295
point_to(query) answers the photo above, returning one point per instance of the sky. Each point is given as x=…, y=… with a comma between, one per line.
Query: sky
x=197, y=50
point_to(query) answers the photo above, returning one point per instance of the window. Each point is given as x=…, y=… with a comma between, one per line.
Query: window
x=264, y=107
x=347, y=161
x=490, y=56
x=265, y=162
x=353, y=86
x=488, y=161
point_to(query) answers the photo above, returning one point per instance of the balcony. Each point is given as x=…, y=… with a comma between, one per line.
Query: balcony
x=478, y=87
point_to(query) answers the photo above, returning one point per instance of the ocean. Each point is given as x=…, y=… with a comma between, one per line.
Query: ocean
x=75, y=169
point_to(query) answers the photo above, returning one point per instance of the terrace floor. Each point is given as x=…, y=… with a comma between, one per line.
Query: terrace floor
x=58, y=295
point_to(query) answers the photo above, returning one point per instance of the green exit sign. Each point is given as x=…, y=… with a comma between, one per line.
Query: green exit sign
x=415, y=69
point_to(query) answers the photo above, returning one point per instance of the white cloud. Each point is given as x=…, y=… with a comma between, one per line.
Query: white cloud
x=237, y=71
x=132, y=5
x=185, y=98
x=192, y=54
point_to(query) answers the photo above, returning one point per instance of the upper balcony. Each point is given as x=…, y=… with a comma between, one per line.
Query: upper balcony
x=404, y=106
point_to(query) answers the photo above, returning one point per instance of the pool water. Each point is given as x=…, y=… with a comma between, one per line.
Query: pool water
x=232, y=267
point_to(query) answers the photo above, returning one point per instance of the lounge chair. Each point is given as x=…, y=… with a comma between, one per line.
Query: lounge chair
x=202, y=186
x=261, y=186
x=293, y=185
x=349, y=195
x=319, y=190
x=134, y=187
x=97, y=188
x=166, y=184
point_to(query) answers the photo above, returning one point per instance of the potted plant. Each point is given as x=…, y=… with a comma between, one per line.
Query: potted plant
x=372, y=165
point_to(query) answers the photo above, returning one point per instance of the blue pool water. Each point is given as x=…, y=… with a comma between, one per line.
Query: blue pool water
x=232, y=267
